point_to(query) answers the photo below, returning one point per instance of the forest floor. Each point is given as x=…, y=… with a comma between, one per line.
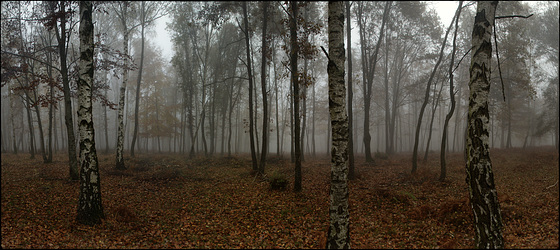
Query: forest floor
x=169, y=201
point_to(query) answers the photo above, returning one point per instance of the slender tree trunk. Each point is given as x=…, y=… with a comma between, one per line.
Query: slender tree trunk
x=41, y=135
x=351, y=167
x=90, y=208
x=250, y=76
x=106, y=126
x=278, y=152
x=369, y=76
x=61, y=38
x=139, y=79
x=51, y=109
x=443, y=167
x=263, y=89
x=293, y=64
x=31, y=129
x=480, y=178
x=338, y=235
x=120, y=119
x=434, y=108
x=12, y=114
x=425, y=103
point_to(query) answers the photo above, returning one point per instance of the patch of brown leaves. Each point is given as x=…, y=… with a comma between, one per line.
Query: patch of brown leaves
x=169, y=201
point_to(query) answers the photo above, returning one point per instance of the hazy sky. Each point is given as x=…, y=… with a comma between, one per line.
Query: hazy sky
x=445, y=9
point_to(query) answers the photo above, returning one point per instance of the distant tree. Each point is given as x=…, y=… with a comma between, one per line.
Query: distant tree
x=264, y=150
x=443, y=166
x=426, y=98
x=250, y=76
x=480, y=178
x=58, y=12
x=351, y=167
x=122, y=12
x=338, y=235
x=148, y=14
x=90, y=208
x=294, y=50
x=369, y=62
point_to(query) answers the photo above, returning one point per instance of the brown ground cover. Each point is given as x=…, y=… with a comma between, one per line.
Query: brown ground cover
x=168, y=201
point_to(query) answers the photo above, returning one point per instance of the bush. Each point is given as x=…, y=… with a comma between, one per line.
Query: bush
x=278, y=181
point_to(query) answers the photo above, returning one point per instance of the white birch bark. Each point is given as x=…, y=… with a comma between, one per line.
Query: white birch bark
x=90, y=209
x=338, y=235
x=480, y=178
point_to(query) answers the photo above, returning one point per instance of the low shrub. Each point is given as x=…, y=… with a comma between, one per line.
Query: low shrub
x=278, y=181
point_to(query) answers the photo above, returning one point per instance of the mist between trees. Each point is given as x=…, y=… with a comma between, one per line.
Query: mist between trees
x=198, y=100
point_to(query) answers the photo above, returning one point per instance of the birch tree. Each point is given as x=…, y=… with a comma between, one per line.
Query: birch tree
x=338, y=235
x=480, y=178
x=90, y=209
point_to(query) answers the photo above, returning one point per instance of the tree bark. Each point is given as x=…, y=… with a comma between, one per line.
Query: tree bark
x=90, y=209
x=480, y=178
x=338, y=235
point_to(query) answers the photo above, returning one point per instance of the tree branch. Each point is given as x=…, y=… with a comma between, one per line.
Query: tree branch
x=459, y=63
x=499, y=66
x=512, y=16
x=326, y=54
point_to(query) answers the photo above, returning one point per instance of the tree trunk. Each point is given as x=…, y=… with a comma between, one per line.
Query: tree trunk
x=106, y=126
x=250, y=76
x=120, y=131
x=434, y=108
x=31, y=129
x=90, y=208
x=139, y=80
x=263, y=90
x=293, y=64
x=351, y=167
x=480, y=178
x=338, y=235
x=369, y=74
x=61, y=39
x=443, y=167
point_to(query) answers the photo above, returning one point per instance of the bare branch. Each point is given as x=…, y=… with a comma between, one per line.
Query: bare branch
x=498, y=57
x=513, y=16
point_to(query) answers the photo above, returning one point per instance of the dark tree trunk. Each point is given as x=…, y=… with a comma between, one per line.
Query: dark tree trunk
x=425, y=103
x=263, y=89
x=369, y=73
x=443, y=167
x=250, y=76
x=293, y=64
x=61, y=38
x=139, y=80
x=434, y=108
x=351, y=167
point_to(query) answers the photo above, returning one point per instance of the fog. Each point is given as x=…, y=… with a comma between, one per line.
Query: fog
x=194, y=95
